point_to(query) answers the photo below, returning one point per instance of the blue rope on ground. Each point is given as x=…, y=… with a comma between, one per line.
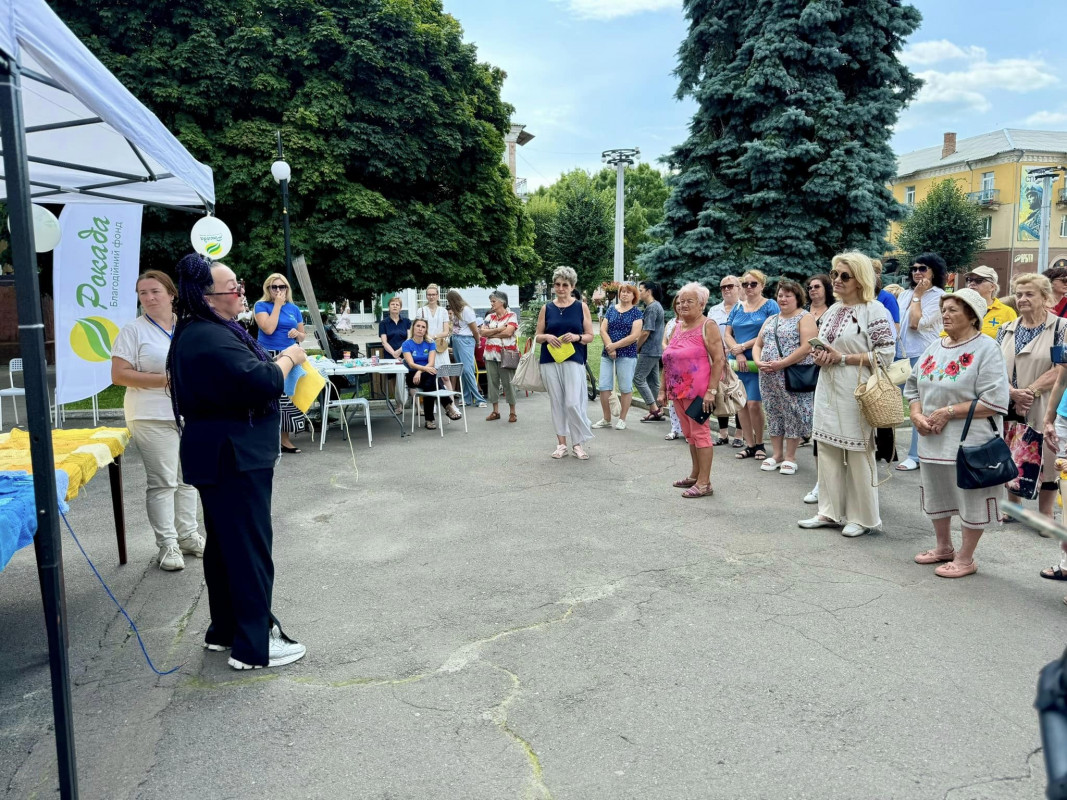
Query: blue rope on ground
x=133, y=625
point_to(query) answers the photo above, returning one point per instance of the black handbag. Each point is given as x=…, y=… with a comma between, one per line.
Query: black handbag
x=984, y=465
x=800, y=378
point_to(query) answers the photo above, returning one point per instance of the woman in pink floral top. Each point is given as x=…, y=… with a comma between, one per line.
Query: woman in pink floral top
x=962, y=367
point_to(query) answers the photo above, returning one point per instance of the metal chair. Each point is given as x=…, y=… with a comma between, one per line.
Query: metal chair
x=15, y=391
x=444, y=371
x=342, y=403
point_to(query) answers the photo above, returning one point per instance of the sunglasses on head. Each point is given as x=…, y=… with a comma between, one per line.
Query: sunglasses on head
x=843, y=276
x=750, y=284
x=920, y=268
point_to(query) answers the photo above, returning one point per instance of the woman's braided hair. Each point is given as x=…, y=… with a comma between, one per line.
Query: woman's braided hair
x=194, y=279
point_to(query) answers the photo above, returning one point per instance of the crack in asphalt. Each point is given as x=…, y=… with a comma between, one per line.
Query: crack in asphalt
x=1006, y=779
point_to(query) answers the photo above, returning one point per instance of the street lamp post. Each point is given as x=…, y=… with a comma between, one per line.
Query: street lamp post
x=619, y=158
x=281, y=172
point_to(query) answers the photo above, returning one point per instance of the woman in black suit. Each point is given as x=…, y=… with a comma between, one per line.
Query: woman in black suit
x=225, y=391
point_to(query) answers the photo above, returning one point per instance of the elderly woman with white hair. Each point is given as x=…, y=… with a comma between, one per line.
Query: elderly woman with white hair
x=960, y=376
x=854, y=331
x=562, y=322
x=692, y=368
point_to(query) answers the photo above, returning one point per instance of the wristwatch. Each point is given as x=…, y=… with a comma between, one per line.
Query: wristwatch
x=843, y=362
x=916, y=299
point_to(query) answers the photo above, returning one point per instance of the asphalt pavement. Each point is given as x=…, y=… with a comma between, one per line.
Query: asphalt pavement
x=485, y=622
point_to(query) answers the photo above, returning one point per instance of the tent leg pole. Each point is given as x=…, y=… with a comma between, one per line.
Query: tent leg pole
x=46, y=542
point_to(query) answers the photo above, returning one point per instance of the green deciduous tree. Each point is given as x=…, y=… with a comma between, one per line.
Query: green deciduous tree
x=582, y=235
x=393, y=129
x=788, y=157
x=944, y=222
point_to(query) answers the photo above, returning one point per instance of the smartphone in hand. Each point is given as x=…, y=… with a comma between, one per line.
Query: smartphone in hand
x=817, y=343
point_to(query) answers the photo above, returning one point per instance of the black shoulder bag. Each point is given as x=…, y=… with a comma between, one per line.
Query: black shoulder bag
x=801, y=378
x=984, y=465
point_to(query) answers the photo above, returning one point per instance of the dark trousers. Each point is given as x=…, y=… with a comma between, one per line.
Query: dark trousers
x=238, y=567
x=427, y=383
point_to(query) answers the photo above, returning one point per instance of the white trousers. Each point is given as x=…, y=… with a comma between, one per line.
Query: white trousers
x=565, y=384
x=845, y=491
x=170, y=502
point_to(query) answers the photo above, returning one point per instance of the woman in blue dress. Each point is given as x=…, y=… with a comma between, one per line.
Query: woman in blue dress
x=742, y=329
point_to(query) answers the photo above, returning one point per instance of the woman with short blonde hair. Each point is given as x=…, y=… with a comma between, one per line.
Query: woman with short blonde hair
x=862, y=271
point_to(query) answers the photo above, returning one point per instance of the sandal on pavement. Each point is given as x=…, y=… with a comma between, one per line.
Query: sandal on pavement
x=290, y=449
x=788, y=468
x=907, y=465
x=697, y=491
x=431, y=426
x=737, y=443
x=759, y=451
x=451, y=413
x=580, y=453
x=512, y=418
x=934, y=557
x=560, y=451
x=653, y=416
x=954, y=569
x=492, y=416
x=748, y=452
x=670, y=437
x=1054, y=574
x=684, y=483
x=721, y=441
x=769, y=465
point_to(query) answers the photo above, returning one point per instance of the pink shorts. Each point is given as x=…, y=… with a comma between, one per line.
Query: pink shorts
x=696, y=435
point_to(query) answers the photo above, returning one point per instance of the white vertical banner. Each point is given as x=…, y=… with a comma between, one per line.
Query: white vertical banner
x=94, y=285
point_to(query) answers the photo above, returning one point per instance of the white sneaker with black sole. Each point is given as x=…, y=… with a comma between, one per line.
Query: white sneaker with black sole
x=282, y=650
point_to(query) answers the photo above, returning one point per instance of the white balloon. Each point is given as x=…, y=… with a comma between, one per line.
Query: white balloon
x=211, y=237
x=46, y=231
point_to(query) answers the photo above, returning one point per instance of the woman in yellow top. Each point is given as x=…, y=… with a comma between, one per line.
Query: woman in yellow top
x=984, y=281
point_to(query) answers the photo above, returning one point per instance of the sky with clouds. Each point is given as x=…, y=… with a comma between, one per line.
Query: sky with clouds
x=589, y=75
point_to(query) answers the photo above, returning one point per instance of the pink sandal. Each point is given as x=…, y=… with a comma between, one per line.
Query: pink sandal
x=934, y=557
x=696, y=491
x=954, y=569
x=684, y=483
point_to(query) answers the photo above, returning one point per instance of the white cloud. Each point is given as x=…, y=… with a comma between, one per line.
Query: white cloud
x=610, y=9
x=969, y=87
x=923, y=53
x=1047, y=119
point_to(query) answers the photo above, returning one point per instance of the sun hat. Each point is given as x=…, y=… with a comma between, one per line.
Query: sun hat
x=971, y=298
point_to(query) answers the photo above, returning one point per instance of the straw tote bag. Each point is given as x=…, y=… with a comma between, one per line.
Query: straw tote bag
x=880, y=401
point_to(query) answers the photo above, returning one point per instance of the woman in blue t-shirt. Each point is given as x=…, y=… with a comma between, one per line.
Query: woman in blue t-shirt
x=281, y=324
x=619, y=329
x=419, y=354
x=742, y=329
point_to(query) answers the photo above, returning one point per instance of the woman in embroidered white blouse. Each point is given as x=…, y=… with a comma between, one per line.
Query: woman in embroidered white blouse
x=962, y=367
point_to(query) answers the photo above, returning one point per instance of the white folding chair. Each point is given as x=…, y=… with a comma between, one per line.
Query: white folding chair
x=342, y=403
x=443, y=371
x=13, y=392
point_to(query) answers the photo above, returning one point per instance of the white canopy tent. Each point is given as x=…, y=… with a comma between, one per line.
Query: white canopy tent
x=70, y=133
x=87, y=138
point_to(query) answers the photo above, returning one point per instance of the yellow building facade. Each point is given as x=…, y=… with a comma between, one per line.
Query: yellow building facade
x=993, y=170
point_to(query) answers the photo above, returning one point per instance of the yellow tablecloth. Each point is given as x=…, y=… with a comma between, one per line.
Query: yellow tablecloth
x=79, y=452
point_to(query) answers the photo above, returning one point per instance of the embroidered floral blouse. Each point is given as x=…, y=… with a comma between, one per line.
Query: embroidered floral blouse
x=954, y=374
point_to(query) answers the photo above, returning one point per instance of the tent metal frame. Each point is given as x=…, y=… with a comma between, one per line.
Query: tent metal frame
x=47, y=541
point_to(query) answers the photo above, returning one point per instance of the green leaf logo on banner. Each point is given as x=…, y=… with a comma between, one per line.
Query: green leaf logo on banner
x=92, y=337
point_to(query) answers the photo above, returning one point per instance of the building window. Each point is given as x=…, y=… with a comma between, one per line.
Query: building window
x=909, y=195
x=1063, y=227
x=987, y=227
x=987, y=181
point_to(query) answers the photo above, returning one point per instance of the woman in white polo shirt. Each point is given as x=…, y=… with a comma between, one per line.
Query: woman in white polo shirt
x=139, y=362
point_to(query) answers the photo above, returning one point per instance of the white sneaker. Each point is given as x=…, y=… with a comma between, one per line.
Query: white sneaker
x=283, y=650
x=192, y=546
x=852, y=530
x=620, y=425
x=482, y=404
x=602, y=423
x=812, y=496
x=216, y=648
x=818, y=522
x=170, y=558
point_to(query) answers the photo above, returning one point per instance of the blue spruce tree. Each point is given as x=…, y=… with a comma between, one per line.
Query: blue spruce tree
x=788, y=155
